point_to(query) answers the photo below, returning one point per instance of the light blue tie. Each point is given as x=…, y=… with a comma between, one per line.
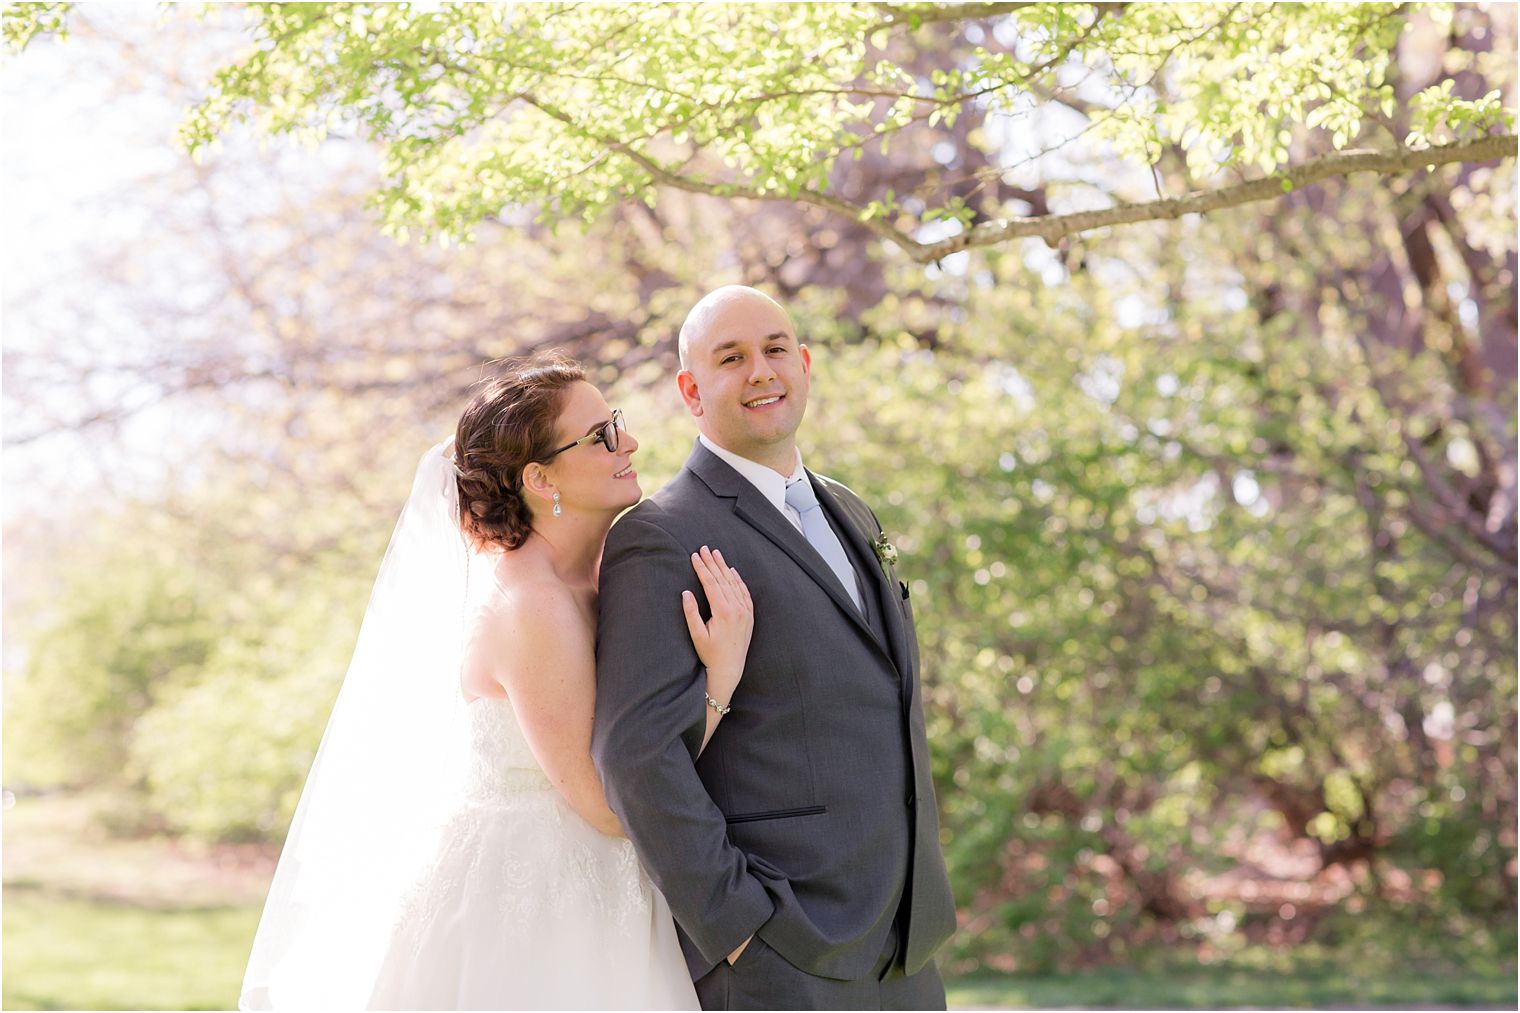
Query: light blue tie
x=815, y=528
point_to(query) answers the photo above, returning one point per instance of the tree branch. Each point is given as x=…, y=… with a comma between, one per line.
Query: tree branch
x=898, y=14
x=659, y=174
x=1052, y=228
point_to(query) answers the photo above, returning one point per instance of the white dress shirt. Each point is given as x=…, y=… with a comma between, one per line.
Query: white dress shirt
x=768, y=480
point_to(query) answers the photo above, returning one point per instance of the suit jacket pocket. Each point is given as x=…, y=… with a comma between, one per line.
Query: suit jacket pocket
x=750, y=951
x=777, y=814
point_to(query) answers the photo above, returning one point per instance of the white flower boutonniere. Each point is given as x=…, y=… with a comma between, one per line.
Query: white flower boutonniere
x=886, y=552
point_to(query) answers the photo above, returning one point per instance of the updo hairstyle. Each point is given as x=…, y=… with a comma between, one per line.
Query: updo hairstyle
x=508, y=425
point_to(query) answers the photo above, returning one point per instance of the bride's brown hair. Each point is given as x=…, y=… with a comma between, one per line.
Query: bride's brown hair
x=508, y=424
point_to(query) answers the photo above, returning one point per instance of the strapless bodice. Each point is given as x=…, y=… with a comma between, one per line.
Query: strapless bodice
x=500, y=761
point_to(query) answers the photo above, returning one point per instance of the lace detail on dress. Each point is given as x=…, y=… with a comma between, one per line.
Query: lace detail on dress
x=500, y=761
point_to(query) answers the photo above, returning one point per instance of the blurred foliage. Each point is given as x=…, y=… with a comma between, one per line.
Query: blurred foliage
x=575, y=108
x=22, y=22
x=1210, y=525
x=1173, y=597
x=191, y=668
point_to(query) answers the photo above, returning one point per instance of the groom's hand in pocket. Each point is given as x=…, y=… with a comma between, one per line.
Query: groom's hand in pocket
x=735, y=955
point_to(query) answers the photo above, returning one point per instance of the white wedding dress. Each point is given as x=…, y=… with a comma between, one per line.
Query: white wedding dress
x=526, y=905
x=429, y=863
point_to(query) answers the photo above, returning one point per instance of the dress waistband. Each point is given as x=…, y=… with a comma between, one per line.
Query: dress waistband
x=508, y=780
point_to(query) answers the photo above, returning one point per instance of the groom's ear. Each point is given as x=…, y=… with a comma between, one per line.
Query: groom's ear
x=686, y=382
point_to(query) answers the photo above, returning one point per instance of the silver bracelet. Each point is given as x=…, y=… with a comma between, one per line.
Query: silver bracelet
x=715, y=705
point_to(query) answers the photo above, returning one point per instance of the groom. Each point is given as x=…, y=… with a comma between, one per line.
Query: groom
x=800, y=851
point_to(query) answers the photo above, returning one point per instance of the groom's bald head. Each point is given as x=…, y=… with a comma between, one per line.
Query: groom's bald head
x=698, y=325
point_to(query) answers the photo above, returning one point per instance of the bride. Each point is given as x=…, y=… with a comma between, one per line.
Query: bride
x=452, y=848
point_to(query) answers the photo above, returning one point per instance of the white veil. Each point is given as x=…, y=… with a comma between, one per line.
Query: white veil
x=386, y=774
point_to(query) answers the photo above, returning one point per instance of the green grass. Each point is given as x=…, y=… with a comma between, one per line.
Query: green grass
x=94, y=922
x=68, y=952
x=1226, y=986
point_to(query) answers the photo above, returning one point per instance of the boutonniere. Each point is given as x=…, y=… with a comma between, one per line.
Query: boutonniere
x=886, y=552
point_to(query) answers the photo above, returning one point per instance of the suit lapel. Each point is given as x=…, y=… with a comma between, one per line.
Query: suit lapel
x=756, y=511
x=871, y=571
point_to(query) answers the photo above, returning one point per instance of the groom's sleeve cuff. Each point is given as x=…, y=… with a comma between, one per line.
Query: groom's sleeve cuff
x=744, y=919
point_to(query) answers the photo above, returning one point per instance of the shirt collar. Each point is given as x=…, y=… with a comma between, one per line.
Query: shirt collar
x=768, y=481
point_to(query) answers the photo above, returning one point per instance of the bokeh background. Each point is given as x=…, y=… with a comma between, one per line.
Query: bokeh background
x=1210, y=523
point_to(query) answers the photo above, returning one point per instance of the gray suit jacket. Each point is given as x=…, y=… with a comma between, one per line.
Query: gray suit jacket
x=810, y=817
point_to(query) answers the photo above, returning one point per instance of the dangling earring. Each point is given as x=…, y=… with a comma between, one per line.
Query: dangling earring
x=557, y=510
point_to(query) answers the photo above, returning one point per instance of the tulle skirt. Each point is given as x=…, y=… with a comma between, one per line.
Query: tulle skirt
x=526, y=906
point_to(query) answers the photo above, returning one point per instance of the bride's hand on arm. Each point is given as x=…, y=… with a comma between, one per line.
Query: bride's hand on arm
x=723, y=641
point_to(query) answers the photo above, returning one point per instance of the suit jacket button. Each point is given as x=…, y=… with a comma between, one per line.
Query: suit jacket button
x=910, y=799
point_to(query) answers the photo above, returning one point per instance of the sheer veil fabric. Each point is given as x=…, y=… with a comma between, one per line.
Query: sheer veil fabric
x=387, y=775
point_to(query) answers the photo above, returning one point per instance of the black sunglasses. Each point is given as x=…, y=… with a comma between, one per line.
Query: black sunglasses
x=606, y=434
